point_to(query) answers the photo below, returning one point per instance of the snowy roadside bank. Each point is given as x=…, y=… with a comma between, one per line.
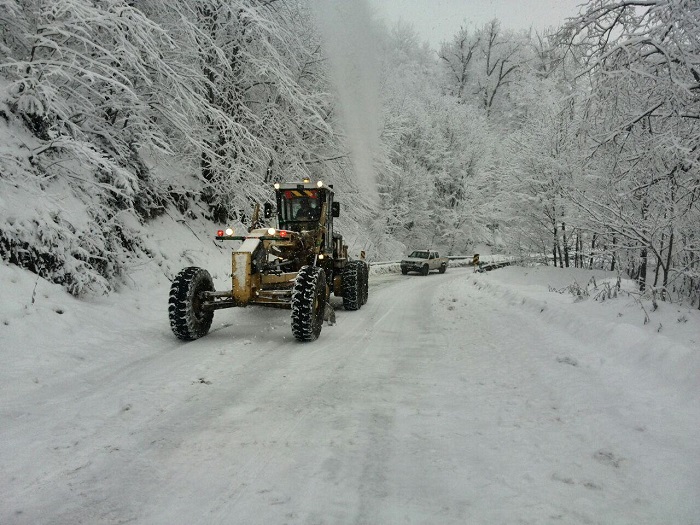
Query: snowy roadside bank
x=665, y=342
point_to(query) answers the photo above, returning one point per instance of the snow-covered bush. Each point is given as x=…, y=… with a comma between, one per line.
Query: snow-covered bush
x=67, y=214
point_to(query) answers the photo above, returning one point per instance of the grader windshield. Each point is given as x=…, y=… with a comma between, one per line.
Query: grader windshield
x=300, y=208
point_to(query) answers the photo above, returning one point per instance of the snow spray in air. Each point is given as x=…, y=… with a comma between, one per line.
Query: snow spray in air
x=351, y=48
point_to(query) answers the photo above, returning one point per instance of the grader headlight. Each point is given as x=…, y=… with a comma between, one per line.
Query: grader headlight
x=271, y=231
x=228, y=231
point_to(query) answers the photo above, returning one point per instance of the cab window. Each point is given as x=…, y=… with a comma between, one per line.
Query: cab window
x=300, y=206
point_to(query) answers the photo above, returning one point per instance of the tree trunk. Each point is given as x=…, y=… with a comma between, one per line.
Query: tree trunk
x=580, y=250
x=642, y=279
x=590, y=258
x=565, y=243
x=667, y=268
x=659, y=263
x=561, y=259
x=612, y=261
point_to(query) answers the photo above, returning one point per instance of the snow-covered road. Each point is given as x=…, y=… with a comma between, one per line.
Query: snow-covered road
x=445, y=399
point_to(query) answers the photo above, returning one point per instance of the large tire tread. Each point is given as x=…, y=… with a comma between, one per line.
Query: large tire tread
x=365, y=282
x=352, y=285
x=308, y=303
x=187, y=319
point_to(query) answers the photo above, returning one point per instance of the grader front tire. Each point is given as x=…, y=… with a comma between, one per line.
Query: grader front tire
x=188, y=320
x=308, y=303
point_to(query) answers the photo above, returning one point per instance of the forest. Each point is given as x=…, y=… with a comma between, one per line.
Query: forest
x=579, y=146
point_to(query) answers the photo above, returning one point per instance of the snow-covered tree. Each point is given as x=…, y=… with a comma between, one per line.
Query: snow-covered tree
x=487, y=68
x=236, y=91
x=85, y=77
x=644, y=63
x=439, y=146
x=263, y=68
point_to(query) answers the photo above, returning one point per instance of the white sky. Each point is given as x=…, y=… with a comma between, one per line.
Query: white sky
x=438, y=20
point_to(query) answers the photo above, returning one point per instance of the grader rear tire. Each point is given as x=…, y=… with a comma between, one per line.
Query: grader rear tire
x=365, y=282
x=308, y=303
x=188, y=320
x=352, y=285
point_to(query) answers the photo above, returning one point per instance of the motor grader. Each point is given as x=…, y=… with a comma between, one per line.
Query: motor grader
x=296, y=265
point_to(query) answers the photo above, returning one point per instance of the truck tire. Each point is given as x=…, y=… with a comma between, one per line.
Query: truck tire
x=352, y=285
x=425, y=270
x=404, y=271
x=308, y=303
x=443, y=268
x=188, y=320
x=365, y=283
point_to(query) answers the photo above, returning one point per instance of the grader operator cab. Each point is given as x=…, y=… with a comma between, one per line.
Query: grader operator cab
x=295, y=265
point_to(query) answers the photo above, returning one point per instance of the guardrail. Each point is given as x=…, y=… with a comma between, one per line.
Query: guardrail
x=486, y=263
x=495, y=265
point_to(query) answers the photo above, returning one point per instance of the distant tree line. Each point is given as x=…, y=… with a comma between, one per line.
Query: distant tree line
x=580, y=144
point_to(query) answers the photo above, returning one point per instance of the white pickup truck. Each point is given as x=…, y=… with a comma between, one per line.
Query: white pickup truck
x=423, y=261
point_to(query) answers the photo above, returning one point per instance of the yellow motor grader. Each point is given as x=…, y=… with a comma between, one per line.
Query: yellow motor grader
x=295, y=265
